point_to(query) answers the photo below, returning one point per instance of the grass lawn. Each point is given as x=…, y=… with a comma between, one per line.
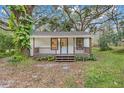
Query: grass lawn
x=108, y=71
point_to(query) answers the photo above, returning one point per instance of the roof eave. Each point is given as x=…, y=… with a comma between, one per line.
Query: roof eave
x=36, y=36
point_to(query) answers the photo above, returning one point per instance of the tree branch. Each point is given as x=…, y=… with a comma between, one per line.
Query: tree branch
x=6, y=29
x=3, y=23
x=65, y=9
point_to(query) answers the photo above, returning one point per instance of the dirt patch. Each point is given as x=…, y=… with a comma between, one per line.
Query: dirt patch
x=39, y=74
x=6, y=83
x=46, y=65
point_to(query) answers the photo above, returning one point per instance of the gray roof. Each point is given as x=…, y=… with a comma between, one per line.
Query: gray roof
x=39, y=33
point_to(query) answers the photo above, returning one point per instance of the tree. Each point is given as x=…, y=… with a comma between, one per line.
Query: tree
x=20, y=22
x=87, y=16
x=78, y=17
x=4, y=24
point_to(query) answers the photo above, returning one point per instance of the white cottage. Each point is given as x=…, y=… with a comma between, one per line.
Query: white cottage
x=60, y=43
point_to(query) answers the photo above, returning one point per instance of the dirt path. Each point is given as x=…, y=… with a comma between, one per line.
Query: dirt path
x=41, y=74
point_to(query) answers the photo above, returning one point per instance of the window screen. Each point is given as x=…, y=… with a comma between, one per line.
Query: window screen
x=79, y=43
x=54, y=43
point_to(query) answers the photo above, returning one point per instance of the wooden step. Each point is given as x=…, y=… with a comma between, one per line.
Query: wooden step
x=65, y=58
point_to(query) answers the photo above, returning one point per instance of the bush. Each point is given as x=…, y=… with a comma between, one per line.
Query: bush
x=103, y=43
x=2, y=55
x=86, y=58
x=6, y=45
x=41, y=58
x=7, y=53
x=92, y=57
x=10, y=52
x=50, y=58
x=17, y=58
x=6, y=42
x=47, y=58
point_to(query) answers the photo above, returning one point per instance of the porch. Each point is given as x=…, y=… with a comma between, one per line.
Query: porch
x=69, y=49
x=59, y=44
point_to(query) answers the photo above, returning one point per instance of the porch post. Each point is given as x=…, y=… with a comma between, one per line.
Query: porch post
x=32, y=46
x=73, y=45
x=90, y=45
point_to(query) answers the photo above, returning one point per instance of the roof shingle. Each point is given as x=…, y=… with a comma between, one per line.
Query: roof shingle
x=38, y=33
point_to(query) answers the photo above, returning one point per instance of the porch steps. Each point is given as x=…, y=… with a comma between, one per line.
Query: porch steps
x=65, y=58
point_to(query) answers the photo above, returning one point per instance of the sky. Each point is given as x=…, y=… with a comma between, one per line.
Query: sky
x=0, y=8
x=47, y=10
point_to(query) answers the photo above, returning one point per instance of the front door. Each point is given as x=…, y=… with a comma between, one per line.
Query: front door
x=64, y=45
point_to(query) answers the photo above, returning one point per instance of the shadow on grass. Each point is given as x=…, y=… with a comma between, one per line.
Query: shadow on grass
x=120, y=51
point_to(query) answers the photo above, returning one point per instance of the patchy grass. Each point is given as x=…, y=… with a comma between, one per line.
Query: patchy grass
x=41, y=74
x=108, y=71
x=70, y=82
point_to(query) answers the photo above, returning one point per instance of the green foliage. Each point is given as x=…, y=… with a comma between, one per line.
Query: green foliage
x=41, y=58
x=6, y=43
x=7, y=53
x=92, y=57
x=22, y=26
x=18, y=8
x=103, y=43
x=110, y=37
x=45, y=58
x=17, y=58
x=22, y=33
x=81, y=58
x=2, y=55
x=70, y=83
x=11, y=21
x=107, y=71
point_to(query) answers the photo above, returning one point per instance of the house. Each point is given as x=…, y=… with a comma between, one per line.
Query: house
x=60, y=43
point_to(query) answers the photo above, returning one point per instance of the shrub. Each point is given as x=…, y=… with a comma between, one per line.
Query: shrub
x=6, y=42
x=6, y=45
x=47, y=58
x=10, y=52
x=103, y=43
x=92, y=57
x=2, y=55
x=7, y=53
x=86, y=58
x=50, y=58
x=17, y=58
x=81, y=58
x=41, y=58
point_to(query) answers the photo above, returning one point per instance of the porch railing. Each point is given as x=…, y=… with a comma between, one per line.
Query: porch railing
x=48, y=51
x=44, y=50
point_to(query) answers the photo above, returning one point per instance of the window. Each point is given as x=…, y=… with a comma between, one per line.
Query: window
x=54, y=43
x=79, y=43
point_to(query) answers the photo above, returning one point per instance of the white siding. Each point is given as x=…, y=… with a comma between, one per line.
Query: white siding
x=42, y=42
x=79, y=51
x=70, y=45
x=44, y=45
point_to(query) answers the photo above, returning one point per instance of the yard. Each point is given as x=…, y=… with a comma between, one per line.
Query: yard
x=107, y=71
